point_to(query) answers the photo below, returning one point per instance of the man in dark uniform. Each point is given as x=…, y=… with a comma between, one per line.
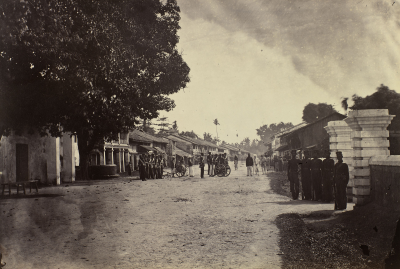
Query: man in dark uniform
x=340, y=180
x=209, y=161
x=201, y=164
x=293, y=175
x=306, y=176
x=316, y=176
x=328, y=165
x=151, y=167
x=142, y=168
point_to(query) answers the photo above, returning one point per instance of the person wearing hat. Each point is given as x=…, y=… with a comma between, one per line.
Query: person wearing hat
x=316, y=176
x=190, y=165
x=328, y=165
x=340, y=180
x=249, y=165
x=209, y=161
x=142, y=168
x=293, y=175
x=173, y=166
x=306, y=176
x=201, y=164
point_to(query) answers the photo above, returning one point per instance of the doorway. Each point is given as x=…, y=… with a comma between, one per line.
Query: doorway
x=22, y=162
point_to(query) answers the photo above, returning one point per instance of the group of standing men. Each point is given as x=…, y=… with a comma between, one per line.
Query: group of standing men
x=214, y=160
x=319, y=178
x=151, y=166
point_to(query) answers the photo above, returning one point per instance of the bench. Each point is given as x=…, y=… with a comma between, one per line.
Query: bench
x=20, y=184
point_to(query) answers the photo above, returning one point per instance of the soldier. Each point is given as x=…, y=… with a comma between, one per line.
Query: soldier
x=306, y=176
x=340, y=180
x=142, y=168
x=209, y=161
x=151, y=167
x=328, y=165
x=293, y=175
x=316, y=177
x=173, y=166
x=201, y=164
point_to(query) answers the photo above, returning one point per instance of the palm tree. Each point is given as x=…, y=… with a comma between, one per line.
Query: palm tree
x=216, y=124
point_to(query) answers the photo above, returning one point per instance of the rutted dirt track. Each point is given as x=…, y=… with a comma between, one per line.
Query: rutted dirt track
x=214, y=222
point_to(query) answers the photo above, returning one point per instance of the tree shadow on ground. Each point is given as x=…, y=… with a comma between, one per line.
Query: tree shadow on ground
x=333, y=239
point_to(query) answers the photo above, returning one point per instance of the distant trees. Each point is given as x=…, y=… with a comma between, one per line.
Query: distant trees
x=313, y=112
x=189, y=134
x=267, y=131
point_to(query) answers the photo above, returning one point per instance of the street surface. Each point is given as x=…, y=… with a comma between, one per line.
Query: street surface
x=215, y=222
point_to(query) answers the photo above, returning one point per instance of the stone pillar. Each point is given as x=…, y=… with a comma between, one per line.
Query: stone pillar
x=53, y=160
x=340, y=140
x=68, y=158
x=123, y=160
x=369, y=138
x=104, y=156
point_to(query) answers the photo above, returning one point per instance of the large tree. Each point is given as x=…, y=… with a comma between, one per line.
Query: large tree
x=93, y=67
x=383, y=98
x=313, y=112
x=267, y=131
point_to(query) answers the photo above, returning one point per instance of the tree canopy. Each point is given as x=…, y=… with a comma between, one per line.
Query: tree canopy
x=189, y=134
x=313, y=112
x=93, y=67
x=383, y=98
x=267, y=131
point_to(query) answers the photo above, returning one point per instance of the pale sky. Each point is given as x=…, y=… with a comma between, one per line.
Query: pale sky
x=256, y=62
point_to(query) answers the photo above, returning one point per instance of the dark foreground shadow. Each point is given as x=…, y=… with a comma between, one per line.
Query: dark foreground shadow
x=360, y=238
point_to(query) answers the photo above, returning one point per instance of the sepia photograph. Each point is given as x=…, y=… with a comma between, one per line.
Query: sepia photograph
x=142, y=134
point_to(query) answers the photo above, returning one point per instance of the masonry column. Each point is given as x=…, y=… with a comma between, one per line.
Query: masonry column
x=53, y=160
x=369, y=138
x=68, y=158
x=340, y=140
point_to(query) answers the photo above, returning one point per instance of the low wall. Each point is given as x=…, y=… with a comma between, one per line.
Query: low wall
x=385, y=179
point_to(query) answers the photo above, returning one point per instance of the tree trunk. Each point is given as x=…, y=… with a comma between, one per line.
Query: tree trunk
x=83, y=154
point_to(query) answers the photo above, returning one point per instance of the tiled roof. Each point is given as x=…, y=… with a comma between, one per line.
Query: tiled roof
x=135, y=137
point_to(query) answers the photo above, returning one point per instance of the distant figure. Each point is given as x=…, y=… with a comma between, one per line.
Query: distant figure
x=235, y=161
x=316, y=176
x=129, y=168
x=264, y=164
x=212, y=163
x=190, y=164
x=328, y=165
x=293, y=175
x=142, y=168
x=340, y=179
x=201, y=164
x=173, y=166
x=306, y=176
x=256, y=163
x=249, y=165
x=209, y=161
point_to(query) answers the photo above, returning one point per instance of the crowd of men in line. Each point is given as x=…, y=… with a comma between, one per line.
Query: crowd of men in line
x=151, y=166
x=320, y=179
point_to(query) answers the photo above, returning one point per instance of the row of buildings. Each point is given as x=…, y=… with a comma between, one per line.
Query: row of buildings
x=54, y=160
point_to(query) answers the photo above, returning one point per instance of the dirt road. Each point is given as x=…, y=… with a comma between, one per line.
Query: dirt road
x=214, y=222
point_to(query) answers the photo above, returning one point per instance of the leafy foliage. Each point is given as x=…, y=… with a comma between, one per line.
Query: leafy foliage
x=266, y=132
x=383, y=98
x=189, y=134
x=313, y=112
